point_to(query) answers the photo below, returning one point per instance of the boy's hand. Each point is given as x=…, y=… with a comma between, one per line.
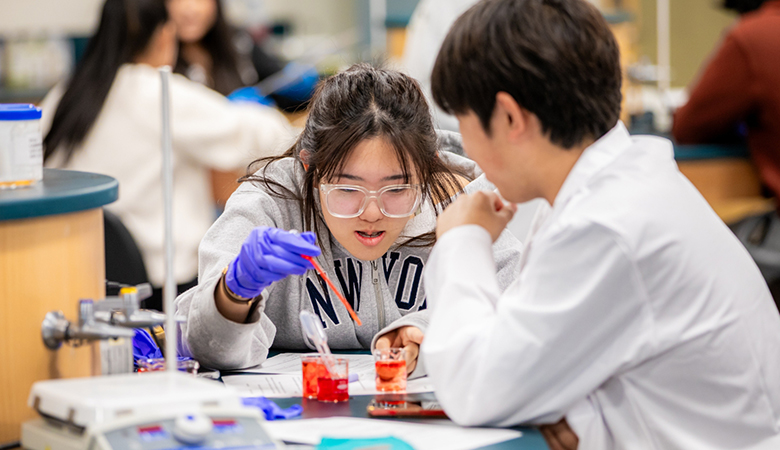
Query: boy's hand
x=409, y=338
x=560, y=436
x=485, y=209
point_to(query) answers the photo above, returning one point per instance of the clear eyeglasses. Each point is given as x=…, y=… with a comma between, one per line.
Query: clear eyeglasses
x=347, y=201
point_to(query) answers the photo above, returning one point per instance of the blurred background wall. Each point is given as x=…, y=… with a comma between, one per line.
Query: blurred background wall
x=40, y=38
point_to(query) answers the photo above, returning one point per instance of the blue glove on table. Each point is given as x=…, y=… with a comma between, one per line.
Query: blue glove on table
x=144, y=347
x=271, y=410
x=268, y=255
x=250, y=94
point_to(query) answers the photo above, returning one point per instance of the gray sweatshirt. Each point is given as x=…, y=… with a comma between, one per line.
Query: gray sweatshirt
x=386, y=293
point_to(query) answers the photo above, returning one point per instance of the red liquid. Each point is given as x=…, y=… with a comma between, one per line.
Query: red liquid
x=390, y=375
x=332, y=389
x=312, y=369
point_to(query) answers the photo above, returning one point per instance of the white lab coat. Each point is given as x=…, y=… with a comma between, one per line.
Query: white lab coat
x=636, y=314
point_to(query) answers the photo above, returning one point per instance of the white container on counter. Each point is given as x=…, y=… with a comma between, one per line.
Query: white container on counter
x=21, y=145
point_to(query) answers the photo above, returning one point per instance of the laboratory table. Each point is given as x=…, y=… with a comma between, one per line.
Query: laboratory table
x=356, y=407
x=531, y=439
x=725, y=176
x=51, y=255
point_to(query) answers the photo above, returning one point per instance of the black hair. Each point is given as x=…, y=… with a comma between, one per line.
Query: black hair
x=218, y=42
x=743, y=6
x=556, y=58
x=365, y=102
x=125, y=30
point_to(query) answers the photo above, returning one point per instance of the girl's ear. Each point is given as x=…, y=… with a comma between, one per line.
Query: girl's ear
x=304, y=154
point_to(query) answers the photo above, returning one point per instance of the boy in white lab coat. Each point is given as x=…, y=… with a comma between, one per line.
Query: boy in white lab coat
x=637, y=320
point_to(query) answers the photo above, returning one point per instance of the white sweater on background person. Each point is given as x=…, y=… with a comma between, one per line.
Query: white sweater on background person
x=208, y=132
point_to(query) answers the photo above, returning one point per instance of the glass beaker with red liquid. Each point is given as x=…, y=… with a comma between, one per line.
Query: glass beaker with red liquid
x=334, y=386
x=390, y=366
x=312, y=368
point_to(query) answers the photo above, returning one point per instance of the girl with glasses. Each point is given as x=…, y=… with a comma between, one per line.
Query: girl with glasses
x=362, y=186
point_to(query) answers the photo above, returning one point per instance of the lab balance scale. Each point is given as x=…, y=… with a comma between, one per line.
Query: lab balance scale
x=149, y=411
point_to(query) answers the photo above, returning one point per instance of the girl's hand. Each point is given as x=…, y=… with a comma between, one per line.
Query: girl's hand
x=409, y=338
x=268, y=255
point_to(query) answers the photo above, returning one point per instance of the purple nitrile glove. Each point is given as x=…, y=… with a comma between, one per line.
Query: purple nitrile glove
x=268, y=255
x=144, y=346
x=250, y=94
x=271, y=410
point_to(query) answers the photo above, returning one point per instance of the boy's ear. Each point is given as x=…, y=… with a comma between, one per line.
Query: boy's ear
x=509, y=116
x=304, y=154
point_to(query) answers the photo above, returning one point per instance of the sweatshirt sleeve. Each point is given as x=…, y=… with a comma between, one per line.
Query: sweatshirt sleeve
x=721, y=99
x=221, y=134
x=206, y=335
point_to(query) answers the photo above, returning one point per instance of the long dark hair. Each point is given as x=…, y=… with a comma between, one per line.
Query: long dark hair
x=743, y=6
x=125, y=30
x=218, y=42
x=360, y=103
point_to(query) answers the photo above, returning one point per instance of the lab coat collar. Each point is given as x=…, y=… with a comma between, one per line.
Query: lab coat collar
x=594, y=158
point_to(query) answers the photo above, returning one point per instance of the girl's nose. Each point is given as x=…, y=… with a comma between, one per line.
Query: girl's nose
x=372, y=213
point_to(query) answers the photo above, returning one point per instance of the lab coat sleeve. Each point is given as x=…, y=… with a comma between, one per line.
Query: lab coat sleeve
x=721, y=99
x=222, y=134
x=575, y=317
x=206, y=335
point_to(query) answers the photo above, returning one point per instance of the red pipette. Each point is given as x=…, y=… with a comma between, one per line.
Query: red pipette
x=332, y=286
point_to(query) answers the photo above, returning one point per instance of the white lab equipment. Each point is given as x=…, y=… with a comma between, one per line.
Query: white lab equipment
x=147, y=411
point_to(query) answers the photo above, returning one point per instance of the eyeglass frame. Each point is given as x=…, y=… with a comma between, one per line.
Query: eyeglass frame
x=369, y=194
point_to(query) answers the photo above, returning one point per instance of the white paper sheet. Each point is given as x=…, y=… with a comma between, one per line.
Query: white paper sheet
x=419, y=436
x=287, y=385
x=290, y=363
x=280, y=376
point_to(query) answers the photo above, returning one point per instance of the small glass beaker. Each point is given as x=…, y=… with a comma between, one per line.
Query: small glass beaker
x=334, y=387
x=312, y=369
x=390, y=366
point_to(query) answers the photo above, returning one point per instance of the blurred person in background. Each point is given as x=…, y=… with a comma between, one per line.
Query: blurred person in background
x=107, y=119
x=737, y=97
x=228, y=60
x=738, y=91
x=224, y=58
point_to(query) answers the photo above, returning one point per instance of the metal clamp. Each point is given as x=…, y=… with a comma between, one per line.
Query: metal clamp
x=111, y=318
